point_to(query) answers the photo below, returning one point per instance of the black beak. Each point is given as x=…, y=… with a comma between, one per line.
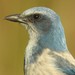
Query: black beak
x=15, y=18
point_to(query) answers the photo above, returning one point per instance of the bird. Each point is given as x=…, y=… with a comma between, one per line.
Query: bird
x=47, y=52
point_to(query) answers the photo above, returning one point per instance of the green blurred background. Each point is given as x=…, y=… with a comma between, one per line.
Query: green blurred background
x=14, y=38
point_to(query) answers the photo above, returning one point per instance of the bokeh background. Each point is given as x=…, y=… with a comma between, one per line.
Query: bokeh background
x=14, y=38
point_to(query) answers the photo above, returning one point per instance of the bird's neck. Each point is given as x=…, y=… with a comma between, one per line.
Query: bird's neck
x=32, y=49
x=53, y=40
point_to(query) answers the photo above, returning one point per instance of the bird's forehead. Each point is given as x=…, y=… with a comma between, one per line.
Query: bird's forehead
x=42, y=10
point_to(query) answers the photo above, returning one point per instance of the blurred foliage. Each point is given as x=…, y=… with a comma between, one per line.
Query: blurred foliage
x=14, y=37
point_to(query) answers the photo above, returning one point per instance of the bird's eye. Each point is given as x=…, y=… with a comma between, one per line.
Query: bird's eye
x=36, y=16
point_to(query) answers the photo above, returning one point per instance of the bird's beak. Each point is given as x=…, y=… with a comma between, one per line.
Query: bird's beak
x=15, y=18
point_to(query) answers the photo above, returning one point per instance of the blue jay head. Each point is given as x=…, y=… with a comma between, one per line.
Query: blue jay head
x=37, y=19
x=42, y=23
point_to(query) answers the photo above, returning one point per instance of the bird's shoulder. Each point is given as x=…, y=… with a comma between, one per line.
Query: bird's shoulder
x=62, y=62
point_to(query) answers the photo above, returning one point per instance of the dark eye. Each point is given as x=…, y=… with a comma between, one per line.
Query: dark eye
x=36, y=16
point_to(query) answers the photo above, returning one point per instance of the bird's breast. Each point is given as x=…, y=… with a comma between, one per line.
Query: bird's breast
x=45, y=65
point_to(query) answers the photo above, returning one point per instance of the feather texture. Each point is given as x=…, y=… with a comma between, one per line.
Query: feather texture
x=47, y=52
